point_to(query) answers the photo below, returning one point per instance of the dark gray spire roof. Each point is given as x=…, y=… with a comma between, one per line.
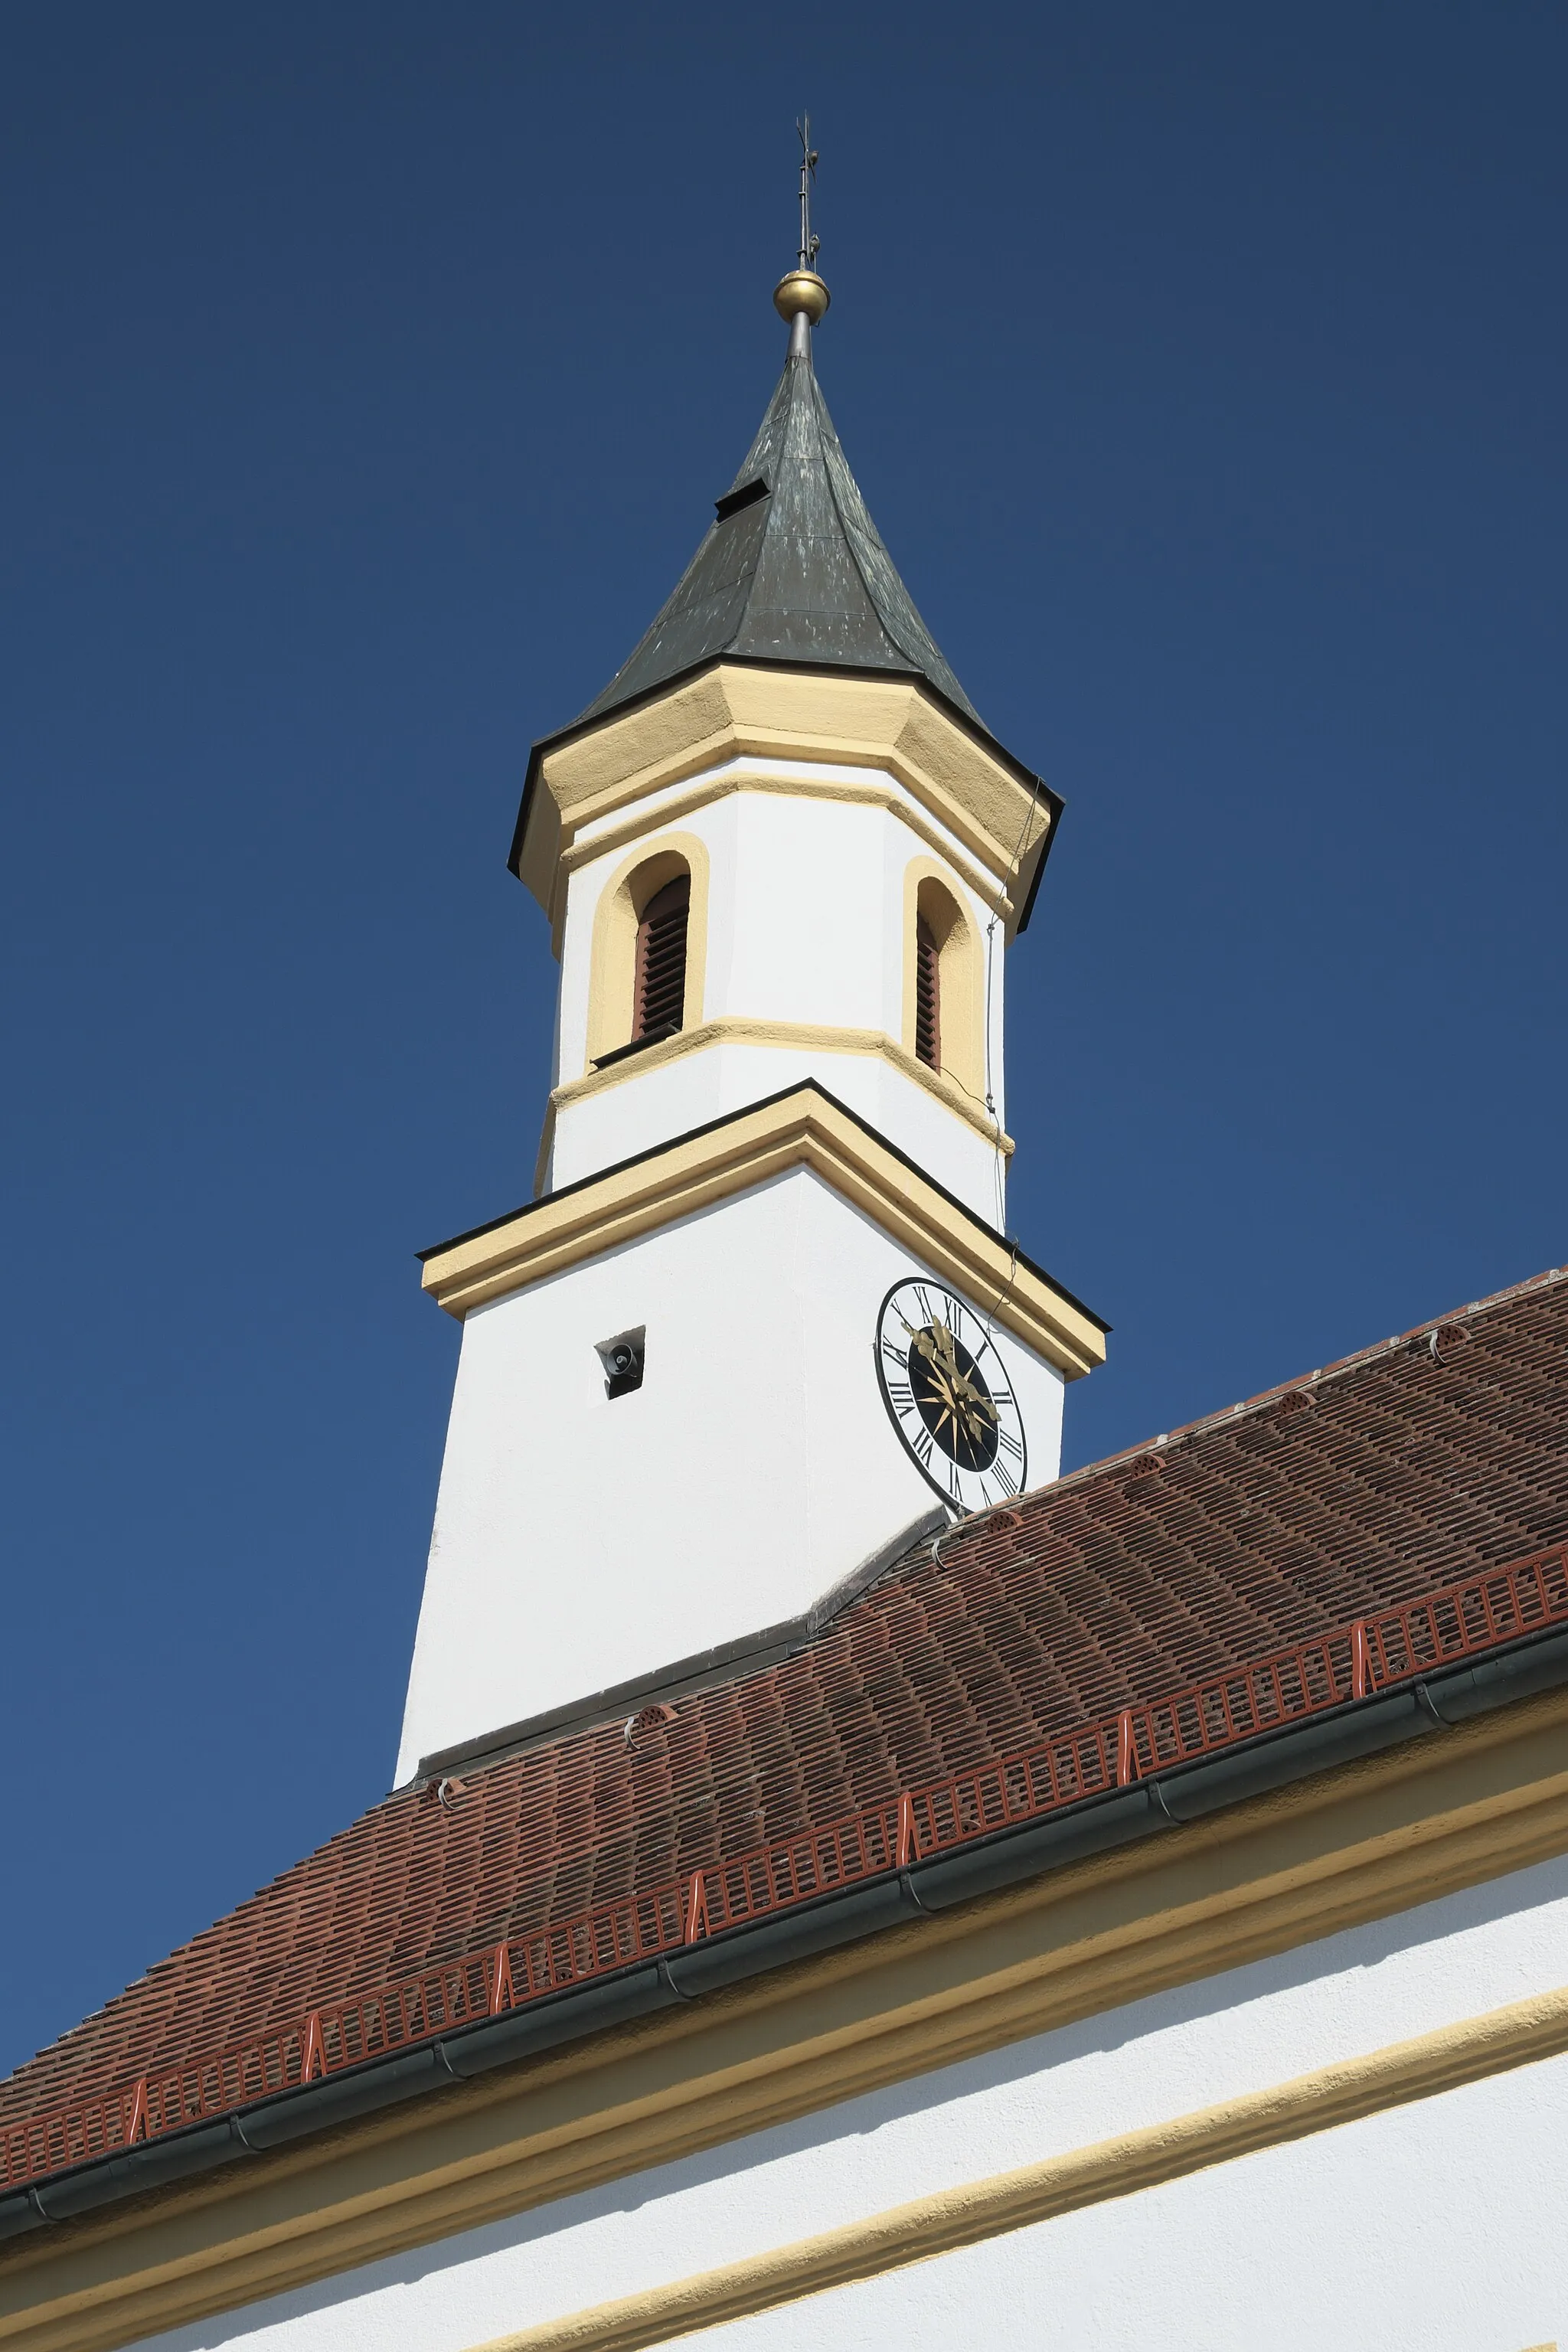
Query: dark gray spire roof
x=792, y=569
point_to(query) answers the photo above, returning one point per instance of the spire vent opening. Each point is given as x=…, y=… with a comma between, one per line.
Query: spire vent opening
x=659, y=1003
x=928, y=996
x=735, y=502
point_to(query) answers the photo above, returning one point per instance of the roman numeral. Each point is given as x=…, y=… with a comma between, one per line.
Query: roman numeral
x=923, y=1448
x=1005, y=1437
x=900, y=1396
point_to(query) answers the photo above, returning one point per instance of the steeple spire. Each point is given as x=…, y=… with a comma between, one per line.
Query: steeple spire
x=793, y=568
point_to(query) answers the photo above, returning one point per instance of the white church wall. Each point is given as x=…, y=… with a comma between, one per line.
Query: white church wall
x=1434, y=2227
x=805, y=922
x=581, y=1540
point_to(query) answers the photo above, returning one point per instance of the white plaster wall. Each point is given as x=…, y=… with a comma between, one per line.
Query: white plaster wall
x=1432, y=2228
x=1436, y=2227
x=805, y=923
x=581, y=1540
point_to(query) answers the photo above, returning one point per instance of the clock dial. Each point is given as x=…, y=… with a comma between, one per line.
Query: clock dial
x=948, y=1395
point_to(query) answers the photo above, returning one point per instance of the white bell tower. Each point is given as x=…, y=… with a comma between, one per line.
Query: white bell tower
x=760, y=1326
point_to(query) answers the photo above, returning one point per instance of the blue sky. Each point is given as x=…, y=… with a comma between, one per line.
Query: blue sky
x=369, y=372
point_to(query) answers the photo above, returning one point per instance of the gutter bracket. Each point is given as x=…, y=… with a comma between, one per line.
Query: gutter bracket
x=1428, y=1705
x=661, y=1969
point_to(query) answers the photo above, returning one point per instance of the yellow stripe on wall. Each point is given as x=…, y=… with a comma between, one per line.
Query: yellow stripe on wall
x=1518, y=2036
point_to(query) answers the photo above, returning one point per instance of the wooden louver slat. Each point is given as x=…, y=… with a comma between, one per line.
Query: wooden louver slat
x=928, y=996
x=660, y=1000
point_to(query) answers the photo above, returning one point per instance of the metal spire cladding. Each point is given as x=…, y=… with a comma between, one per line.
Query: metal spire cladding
x=793, y=568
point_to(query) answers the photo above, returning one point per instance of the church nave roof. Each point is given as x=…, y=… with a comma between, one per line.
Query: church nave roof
x=1098, y=1624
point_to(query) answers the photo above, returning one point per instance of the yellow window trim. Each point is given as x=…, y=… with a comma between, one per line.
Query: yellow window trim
x=614, y=947
x=961, y=967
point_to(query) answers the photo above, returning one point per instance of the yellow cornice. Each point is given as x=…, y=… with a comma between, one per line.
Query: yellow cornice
x=804, y=1128
x=734, y=710
x=1355, y=1845
x=1520, y=2034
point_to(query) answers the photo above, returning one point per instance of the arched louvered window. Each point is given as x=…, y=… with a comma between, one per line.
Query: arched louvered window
x=928, y=995
x=660, y=999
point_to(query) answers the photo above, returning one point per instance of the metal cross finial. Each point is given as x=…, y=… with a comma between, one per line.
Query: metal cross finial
x=809, y=243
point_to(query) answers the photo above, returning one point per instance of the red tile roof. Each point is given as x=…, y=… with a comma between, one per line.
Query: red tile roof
x=1403, y=1469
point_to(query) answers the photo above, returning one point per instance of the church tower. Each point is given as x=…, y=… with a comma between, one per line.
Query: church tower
x=762, y=1309
x=828, y=1886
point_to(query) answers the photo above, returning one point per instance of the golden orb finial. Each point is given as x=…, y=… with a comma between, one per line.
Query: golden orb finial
x=802, y=290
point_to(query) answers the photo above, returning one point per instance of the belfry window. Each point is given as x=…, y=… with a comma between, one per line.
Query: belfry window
x=659, y=1002
x=928, y=995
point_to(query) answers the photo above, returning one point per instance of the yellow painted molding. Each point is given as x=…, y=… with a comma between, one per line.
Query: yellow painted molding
x=1281, y=1871
x=802, y=1128
x=589, y=847
x=812, y=1036
x=733, y=712
x=1518, y=2036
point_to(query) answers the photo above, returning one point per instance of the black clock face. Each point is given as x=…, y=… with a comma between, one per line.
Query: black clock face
x=951, y=1396
x=948, y=1395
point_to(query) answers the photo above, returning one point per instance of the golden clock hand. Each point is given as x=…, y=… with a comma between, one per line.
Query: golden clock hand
x=960, y=1379
x=963, y=1386
x=919, y=1340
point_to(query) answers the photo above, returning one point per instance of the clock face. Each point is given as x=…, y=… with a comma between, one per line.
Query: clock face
x=948, y=1395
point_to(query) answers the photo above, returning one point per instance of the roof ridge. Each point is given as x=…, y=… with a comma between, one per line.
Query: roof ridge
x=827, y=440
x=1339, y=1367
x=854, y=527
